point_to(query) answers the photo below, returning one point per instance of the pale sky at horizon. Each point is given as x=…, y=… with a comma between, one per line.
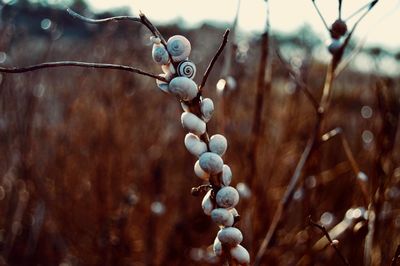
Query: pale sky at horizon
x=380, y=26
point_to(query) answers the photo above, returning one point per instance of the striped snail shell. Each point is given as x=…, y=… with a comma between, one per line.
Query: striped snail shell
x=179, y=47
x=186, y=69
x=160, y=54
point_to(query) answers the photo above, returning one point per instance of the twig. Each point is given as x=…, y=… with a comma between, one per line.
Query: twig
x=396, y=256
x=320, y=15
x=298, y=81
x=334, y=245
x=79, y=64
x=340, y=9
x=214, y=59
x=369, y=5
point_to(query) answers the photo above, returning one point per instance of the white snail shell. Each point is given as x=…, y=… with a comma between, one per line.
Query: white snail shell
x=211, y=163
x=334, y=46
x=179, y=47
x=184, y=88
x=207, y=109
x=186, y=69
x=192, y=123
x=243, y=190
x=199, y=172
x=227, y=197
x=162, y=85
x=222, y=217
x=226, y=175
x=160, y=54
x=168, y=68
x=240, y=254
x=217, y=247
x=207, y=203
x=155, y=40
x=218, y=144
x=185, y=107
x=194, y=144
x=234, y=212
x=230, y=236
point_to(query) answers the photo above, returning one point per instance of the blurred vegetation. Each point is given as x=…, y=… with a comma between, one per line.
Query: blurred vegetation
x=93, y=169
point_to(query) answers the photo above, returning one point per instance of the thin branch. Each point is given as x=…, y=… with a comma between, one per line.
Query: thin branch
x=214, y=59
x=334, y=245
x=15, y=70
x=298, y=81
x=368, y=5
x=340, y=9
x=320, y=15
x=396, y=256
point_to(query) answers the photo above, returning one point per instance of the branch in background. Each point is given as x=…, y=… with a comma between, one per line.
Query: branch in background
x=396, y=256
x=368, y=5
x=333, y=243
x=340, y=8
x=320, y=14
x=214, y=59
x=79, y=64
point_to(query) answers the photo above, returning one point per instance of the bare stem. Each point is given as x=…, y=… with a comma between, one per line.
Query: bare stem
x=396, y=256
x=320, y=14
x=79, y=64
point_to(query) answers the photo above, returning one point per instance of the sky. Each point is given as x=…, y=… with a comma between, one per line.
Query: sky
x=380, y=26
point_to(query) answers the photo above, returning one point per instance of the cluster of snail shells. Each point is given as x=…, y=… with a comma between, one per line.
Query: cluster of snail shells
x=220, y=205
x=337, y=31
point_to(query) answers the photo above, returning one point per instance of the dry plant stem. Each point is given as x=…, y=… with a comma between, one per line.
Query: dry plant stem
x=320, y=15
x=396, y=256
x=80, y=64
x=213, y=60
x=369, y=5
x=325, y=232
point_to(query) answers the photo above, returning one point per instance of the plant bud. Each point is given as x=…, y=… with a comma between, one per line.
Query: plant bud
x=226, y=175
x=240, y=254
x=218, y=144
x=200, y=172
x=230, y=236
x=207, y=109
x=207, y=204
x=222, y=217
x=211, y=163
x=193, y=124
x=194, y=145
x=227, y=197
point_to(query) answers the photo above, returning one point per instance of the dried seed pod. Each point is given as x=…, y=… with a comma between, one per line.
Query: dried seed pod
x=222, y=217
x=207, y=109
x=186, y=69
x=227, y=197
x=207, y=203
x=226, y=175
x=162, y=85
x=230, y=236
x=160, y=54
x=334, y=46
x=217, y=247
x=194, y=145
x=192, y=123
x=240, y=254
x=218, y=144
x=211, y=163
x=200, y=172
x=179, y=47
x=184, y=88
x=338, y=29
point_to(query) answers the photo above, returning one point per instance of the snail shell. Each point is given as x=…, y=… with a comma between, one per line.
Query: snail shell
x=230, y=236
x=179, y=47
x=240, y=254
x=218, y=144
x=217, y=247
x=155, y=40
x=162, y=85
x=207, y=204
x=160, y=54
x=234, y=212
x=194, y=145
x=226, y=175
x=211, y=163
x=200, y=172
x=334, y=46
x=207, y=109
x=185, y=107
x=168, y=68
x=184, y=88
x=227, y=197
x=222, y=217
x=186, y=69
x=192, y=123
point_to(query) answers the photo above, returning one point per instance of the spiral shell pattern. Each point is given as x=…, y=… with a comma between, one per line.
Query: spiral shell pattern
x=187, y=69
x=179, y=47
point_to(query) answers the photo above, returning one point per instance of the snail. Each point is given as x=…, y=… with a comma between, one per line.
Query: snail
x=207, y=109
x=338, y=29
x=162, y=85
x=207, y=203
x=226, y=175
x=192, y=123
x=200, y=172
x=160, y=54
x=184, y=88
x=168, y=68
x=217, y=247
x=187, y=69
x=334, y=46
x=230, y=236
x=222, y=217
x=211, y=163
x=240, y=254
x=194, y=145
x=227, y=197
x=179, y=47
x=218, y=144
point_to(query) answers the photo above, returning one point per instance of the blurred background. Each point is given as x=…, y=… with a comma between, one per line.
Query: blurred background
x=93, y=170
